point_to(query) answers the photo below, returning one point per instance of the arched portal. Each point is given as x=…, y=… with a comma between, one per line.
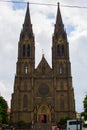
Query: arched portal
x=44, y=114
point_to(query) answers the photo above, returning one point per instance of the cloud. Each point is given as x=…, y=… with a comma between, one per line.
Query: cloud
x=78, y=55
x=11, y=22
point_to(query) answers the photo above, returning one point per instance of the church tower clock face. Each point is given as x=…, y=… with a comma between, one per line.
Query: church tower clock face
x=60, y=40
x=43, y=89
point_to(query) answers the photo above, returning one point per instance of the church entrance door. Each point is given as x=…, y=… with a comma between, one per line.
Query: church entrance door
x=44, y=114
x=43, y=118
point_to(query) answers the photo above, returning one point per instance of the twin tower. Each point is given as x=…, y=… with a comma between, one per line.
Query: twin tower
x=42, y=94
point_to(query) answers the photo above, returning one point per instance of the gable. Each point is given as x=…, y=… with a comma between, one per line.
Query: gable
x=43, y=68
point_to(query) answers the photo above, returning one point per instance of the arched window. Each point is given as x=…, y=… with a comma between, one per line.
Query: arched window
x=62, y=49
x=62, y=103
x=24, y=50
x=58, y=50
x=25, y=102
x=28, y=50
x=26, y=69
x=61, y=69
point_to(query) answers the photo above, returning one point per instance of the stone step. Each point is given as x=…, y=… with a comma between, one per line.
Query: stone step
x=43, y=126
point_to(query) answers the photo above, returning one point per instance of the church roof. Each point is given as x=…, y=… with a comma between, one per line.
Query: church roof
x=43, y=66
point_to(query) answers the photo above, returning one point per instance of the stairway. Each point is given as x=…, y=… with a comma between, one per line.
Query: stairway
x=43, y=126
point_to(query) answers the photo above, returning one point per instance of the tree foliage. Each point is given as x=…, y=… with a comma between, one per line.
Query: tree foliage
x=21, y=122
x=84, y=113
x=85, y=104
x=3, y=111
x=62, y=123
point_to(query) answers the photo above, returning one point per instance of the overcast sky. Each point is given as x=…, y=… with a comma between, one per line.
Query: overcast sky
x=43, y=19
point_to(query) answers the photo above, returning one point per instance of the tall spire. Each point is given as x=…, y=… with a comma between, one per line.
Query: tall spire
x=27, y=26
x=59, y=18
x=59, y=23
x=27, y=21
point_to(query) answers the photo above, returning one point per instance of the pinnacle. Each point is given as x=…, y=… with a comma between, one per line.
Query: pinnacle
x=59, y=27
x=27, y=17
x=59, y=18
x=27, y=26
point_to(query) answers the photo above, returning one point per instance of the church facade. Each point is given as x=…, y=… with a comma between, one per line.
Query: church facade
x=43, y=94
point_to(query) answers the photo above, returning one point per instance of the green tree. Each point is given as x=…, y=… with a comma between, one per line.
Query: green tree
x=84, y=113
x=21, y=122
x=3, y=111
x=63, y=122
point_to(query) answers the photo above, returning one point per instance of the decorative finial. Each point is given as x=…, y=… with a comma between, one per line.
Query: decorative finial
x=27, y=4
x=58, y=3
x=42, y=53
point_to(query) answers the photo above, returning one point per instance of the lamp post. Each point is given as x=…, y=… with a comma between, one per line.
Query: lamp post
x=77, y=124
x=82, y=121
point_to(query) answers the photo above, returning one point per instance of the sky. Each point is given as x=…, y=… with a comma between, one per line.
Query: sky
x=43, y=19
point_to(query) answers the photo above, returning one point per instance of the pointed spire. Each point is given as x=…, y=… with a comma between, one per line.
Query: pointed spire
x=27, y=21
x=42, y=55
x=59, y=23
x=59, y=18
x=27, y=26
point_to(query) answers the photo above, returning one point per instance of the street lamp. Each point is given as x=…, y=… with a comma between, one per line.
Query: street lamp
x=78, y=124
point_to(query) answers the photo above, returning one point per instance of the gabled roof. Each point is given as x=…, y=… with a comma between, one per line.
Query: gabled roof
x=43, y=67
